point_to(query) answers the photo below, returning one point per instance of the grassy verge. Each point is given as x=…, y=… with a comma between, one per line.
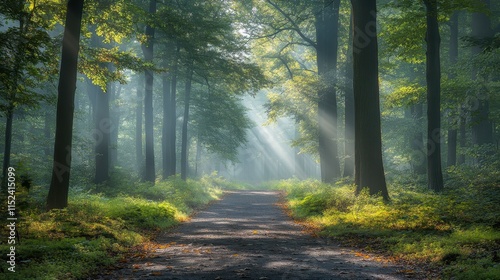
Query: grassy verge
x=456, y=232
x=99, y=225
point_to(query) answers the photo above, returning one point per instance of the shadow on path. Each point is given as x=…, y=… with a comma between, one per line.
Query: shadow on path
x=246, y=236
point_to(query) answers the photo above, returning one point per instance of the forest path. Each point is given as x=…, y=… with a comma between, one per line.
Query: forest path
x=247, y=236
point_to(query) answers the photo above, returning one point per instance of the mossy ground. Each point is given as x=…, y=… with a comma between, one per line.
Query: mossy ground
x=99, y=225
x=454, y=233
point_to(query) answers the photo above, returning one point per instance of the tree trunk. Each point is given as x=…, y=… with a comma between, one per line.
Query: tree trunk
x=482, y=130
x=47, y=132
x=349, y=112
x=147, y=49
x=299, y=158
x=139, y=157
x=58, y=192
x=433, y=75
x=165, y=140
x=463, y=140
x=102, y=136
x=417, y=140
x=173, y=117
x=8, y=145
x=115, y=122
x=452, y=133
x=101, y=131
x=184, y=147
x=327, y=23
x=198, y=156
x=369, y=169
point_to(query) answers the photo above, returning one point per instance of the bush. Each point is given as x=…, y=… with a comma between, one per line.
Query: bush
x=456, y=230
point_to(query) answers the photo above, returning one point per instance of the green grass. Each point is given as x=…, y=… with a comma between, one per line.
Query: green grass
x=99, y=225
x=456, y=232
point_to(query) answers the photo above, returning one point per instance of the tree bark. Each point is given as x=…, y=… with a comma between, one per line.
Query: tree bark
x=452, y=133
x=417, y=140
x=327, y=23
x=147, y=48
x=482, y=130
x=169, y=119
x=369, y=169
x=115, y=116
x=139, y=156
x=58, y=192
x=349, y=111
x=102, y=136
x=433, y=75
x=102, y=124
x=463, y=140
x=8, y=146
x=47, y=132
x=184, y=146
x=165, y=145
x=173, y=117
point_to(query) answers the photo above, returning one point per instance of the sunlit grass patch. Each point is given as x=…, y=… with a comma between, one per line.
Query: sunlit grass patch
x=456, y=230
x=100, y=224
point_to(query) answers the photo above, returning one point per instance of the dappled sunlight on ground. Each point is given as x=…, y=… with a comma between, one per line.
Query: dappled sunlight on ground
x=247, y=236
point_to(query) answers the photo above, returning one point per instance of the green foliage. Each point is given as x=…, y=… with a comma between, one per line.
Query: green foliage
x=26, y=52
x=220, y=122
x=456, y=230
x=97, y=228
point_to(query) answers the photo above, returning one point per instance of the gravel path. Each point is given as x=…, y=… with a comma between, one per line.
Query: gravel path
x=247, y=236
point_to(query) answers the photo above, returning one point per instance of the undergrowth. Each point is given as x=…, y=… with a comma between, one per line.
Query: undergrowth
x=99, y=225
x=455, y=232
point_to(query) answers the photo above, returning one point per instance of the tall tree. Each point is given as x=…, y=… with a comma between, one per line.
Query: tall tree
x=58, y=192
x=369, y=169
x=349, y=111
x=25, y=52
x=184, y=140
x=327, y=25
x=326, y=15
x=139, y=156
x=147, y=49
x=169, y=112
x=101, y=123
x=433, y=75
x=482, y=130
x=453, y=52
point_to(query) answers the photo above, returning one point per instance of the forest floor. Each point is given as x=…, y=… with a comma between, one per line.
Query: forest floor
x=247, y=235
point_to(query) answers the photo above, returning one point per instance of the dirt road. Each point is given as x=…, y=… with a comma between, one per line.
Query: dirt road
x=247, y=236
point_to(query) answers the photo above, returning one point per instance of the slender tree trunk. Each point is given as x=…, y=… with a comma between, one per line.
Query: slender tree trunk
x=10, y=110
x=172, y=118
x=434, y=172
x=417, y=141
x=115, y=122
x=8, y=146
x=369, y=169
x=47, y=132
x=299, y=158
x=327, y=23
x=198, y=155
x=102, y=136
x=101, y=131
x=349, y=112
x=147, y=48
x=184, y=147
x=482, y=130
x=452, y=133
x=139, y=157
x=58, y=192
x=165, y=143
x=463, y=139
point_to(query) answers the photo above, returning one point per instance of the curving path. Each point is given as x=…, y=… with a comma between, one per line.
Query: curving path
x=246, y=236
